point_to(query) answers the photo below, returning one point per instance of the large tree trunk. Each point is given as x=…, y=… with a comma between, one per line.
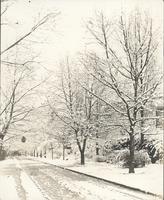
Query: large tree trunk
x=1, y=136
x=82, y=157
x=81, y=146
x=82, y=150
x=142, y=126
x=1, y=146
x=131, y=157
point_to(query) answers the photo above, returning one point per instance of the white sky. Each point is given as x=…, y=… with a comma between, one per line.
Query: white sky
x=69, y=35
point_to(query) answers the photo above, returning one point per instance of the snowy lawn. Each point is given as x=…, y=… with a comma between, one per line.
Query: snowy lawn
x=149, y=178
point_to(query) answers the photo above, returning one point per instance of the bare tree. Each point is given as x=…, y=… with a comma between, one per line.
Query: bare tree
x=14, y=91
x=127, y=69
x=17, y=95
x=75, y=110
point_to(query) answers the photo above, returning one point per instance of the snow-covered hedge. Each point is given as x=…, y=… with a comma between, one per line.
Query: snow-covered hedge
x=153, y=146
x=112, y=145
x=99, y=158
x=112, y=157
x=140, y=158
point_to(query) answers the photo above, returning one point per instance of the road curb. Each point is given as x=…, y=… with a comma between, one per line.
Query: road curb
x=106, y=180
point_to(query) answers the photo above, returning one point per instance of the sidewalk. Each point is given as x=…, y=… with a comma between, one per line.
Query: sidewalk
x=148, y=179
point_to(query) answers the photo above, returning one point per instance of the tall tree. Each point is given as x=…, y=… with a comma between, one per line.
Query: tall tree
x=16, y=74
x=17, y=96
x=75, y=108
x=127, y=68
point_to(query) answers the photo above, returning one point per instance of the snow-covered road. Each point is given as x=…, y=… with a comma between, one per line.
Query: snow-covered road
x=22, y=179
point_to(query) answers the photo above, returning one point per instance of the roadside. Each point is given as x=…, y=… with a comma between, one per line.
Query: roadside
x=148, y=179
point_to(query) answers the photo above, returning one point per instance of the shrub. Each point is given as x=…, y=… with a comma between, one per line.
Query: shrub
x=117, y=144
x=100, y=159
x=154, y=148
x=112, y=157
x=15, y=153
x=140, y=158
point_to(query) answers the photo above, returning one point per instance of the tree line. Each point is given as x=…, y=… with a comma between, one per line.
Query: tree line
x=110, y=85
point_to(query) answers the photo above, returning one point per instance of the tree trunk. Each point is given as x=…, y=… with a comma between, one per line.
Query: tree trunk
x=142, y=127
x=81, y=149
x=131, y=157
x=1, y=152
x=63, y=152
x=141, y=139
x=45, y=153
x=82, y=157
x=1, y=143
x=2, y=136
x=97, y=149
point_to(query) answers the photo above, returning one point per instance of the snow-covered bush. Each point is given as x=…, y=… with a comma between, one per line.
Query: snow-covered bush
x=90, y=150
x=154, y=148
x=107, y=147
x=112, y=157
x=140, y=158
x=118, y=144
x=15, y=153
x=100, y=158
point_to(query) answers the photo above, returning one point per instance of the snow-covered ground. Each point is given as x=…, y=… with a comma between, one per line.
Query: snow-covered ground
x=7, y=183
x=149, y=178
x=27, y=179
x=16, y=185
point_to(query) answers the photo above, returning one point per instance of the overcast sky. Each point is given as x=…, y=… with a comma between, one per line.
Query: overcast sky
x=69, y=35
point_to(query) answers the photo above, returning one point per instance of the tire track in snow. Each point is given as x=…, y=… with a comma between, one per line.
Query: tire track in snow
x=27, y=187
